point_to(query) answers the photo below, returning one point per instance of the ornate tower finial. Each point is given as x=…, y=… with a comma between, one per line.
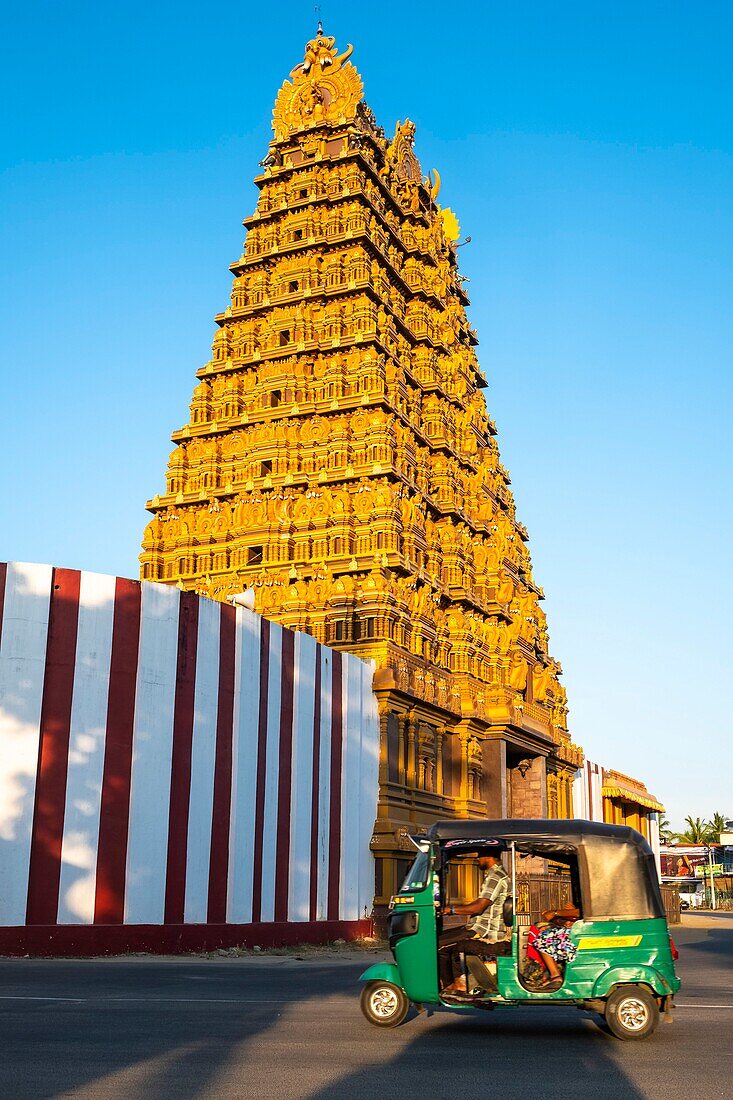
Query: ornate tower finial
x=322, y=88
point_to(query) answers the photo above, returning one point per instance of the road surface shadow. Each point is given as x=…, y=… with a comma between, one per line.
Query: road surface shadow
x=177, y=1034
x=510, y=1053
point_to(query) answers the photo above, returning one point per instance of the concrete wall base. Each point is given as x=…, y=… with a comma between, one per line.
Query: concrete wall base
x=69, y=941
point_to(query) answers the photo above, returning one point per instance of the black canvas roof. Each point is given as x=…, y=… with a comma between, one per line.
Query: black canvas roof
x=617, y=870
x=573, y=832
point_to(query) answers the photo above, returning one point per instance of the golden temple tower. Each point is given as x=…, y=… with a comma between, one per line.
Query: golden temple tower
x=340, y=461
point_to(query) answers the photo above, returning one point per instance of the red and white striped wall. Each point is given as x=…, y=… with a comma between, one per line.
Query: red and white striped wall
x=174, y=772
x=587, y=796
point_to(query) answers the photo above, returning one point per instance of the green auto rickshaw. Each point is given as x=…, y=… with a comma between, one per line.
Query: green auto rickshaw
x=621, y=963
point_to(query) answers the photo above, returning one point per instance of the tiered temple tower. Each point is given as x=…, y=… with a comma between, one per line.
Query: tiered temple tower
x=341, y=462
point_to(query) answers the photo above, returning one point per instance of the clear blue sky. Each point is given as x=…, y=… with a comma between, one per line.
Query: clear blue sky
x=588, y=151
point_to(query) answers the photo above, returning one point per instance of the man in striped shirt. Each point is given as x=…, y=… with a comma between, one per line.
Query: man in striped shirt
x=483, y=932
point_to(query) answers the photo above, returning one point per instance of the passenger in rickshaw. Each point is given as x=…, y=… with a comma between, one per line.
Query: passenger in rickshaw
x=482, y=934
x=554, y=945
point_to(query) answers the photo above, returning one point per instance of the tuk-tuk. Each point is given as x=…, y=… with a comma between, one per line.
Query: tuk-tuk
x=621, y=964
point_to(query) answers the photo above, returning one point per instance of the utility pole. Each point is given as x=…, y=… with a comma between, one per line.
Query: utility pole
x=712, y=882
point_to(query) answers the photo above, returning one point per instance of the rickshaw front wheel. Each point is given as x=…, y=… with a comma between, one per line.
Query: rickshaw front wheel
x=384, y=1004
x=631, y=1012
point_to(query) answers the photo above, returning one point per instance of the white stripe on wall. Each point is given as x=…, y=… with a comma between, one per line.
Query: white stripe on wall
x=368, y=787
x=324, y=784
x=152, y=750
x=203, y=758
x=244, y=767
x=596, y=810
x=22, y=672
x=350, y=786
x=302, y=778
x=269, y=825
x=86, y=749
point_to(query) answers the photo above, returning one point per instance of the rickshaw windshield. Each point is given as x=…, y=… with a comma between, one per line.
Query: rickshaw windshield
x=418, y=875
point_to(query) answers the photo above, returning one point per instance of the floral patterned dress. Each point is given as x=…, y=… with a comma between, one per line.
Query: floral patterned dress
x=556, y=943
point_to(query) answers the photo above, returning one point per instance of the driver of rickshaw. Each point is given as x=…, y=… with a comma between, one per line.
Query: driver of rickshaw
x=483, y=932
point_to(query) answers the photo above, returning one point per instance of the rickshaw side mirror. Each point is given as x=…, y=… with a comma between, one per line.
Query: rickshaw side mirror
x=508, y=912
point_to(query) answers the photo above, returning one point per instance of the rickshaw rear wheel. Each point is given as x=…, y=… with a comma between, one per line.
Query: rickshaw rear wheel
x=631, y=1012
x=384, y=1004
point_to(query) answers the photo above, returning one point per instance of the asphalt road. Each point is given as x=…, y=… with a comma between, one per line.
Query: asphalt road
x=275, y=1028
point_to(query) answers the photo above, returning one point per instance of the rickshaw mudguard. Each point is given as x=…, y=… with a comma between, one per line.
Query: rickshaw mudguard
x=634, y=975
x=382, y=972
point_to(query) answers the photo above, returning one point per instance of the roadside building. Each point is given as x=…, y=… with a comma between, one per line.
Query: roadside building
x=601, y=794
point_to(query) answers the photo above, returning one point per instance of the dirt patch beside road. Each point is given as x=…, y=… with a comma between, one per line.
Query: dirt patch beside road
x=339, y=949
x=707, y=918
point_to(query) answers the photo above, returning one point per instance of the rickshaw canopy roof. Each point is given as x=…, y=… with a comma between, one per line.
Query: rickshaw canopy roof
x=618, y=874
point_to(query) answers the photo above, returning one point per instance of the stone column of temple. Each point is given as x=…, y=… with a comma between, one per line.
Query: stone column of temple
x=529, y=791
x=411, y=768
x=495, y=777
x=439, y=735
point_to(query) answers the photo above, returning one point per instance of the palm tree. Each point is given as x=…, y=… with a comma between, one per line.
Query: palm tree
x=697, y=832
x=717, y=826
x=666, y=832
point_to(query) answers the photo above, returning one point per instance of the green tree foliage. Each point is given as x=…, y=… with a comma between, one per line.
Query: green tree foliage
x=717, y=826
x=697, y=831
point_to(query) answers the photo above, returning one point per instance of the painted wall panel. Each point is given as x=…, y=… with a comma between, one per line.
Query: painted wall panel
x=368, y=778
x=152, y=747
x=295, y=815
x=86, y=749
x=324, y=786
x=203, y=754
x=22, y=669
x=244, y=767
x=272, y=773
x=302, y=772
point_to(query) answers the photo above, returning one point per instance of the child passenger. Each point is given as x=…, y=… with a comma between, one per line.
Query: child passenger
x=554, y=944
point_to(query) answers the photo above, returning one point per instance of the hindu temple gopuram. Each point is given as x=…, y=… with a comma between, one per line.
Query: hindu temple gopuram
x=340, y=461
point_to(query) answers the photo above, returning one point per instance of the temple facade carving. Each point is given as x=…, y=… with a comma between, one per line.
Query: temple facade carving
x=340, y=460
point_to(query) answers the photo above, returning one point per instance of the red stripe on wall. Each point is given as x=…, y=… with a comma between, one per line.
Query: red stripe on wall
x=261, y=771
x=334, y=824
x=53, y=753
x=284, y=777
x=183, y=711
x=315, y=803
x=222, y=807
x=109, y=900
x=3, y=575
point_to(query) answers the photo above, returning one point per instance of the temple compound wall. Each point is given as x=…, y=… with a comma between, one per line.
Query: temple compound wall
x=176, y=772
